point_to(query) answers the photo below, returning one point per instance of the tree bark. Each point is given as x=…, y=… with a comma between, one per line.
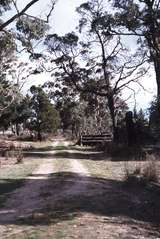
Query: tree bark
x=19, y=14
x=157, y=72
x=111, y=107
x=17, y=129
x=130, y=128
x=39, y=136
x=39, y=131
x=153, y=39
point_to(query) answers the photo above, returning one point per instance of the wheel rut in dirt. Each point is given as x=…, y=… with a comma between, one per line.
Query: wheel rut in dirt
x=37, y=189
x=68, y=192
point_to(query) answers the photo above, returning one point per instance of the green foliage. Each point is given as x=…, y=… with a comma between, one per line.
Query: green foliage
x=8, y=94
x=137, y=16
x=35, y=113
x=154, y=114
x=69, y=39
x=79, y=112
x=95, y=62
x=32, y=28
x=140, y=118
x=7, y=89
x=29, y=28
x=44, y=119
x=7, y=50
x=7, y=46
x=140, y=19
x=19, y=112
x=5, y=5
x=142, y=131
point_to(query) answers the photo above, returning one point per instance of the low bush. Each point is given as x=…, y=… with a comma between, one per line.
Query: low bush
x=150, y=172
x=141, y=174
x=125, y=152
x=16, y=153
x=19, y=155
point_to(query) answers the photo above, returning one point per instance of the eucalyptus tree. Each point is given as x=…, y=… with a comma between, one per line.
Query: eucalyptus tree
x=44, y=117
x=6, y=5
x=9, y=92
x=139, y=19
x=7, y=48
x=19, y=32
x=22, y=26
x=154, y=115
x=92, y=61
x=79, y=112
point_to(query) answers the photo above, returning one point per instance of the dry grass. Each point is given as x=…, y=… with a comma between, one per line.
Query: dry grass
x=142, y=172
x=12, y=175
x=104, y=168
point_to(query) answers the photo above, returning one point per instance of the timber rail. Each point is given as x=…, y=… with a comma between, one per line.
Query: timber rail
x=91, y=140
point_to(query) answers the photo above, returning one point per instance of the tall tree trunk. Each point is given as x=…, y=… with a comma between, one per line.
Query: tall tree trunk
x=112, y=114
x=114, y=128
x=130, y=129
x=157, y=72
x=39, y=136
x=153, y=40
x=17, y=129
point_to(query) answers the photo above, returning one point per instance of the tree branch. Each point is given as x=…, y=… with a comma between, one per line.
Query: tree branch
x=5, y=24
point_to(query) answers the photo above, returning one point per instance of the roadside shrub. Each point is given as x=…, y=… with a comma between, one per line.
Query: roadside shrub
x=141, y=174
x=150, y=172
x=19, y=155
x=16, y=153
x=133, y=176
x=6, y=154
x=125, y=152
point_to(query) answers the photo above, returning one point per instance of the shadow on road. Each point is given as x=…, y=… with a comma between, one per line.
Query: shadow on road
x=99, y=196
x=69, y=154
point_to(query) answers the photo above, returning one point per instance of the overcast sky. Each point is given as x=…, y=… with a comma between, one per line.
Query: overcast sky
x=64, y=19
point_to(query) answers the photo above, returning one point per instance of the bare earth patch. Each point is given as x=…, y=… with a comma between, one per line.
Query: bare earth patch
x=23, y=201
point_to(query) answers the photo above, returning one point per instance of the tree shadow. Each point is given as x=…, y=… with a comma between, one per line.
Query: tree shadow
x=67, y=195
x=68, y=154
x=61, y=147
x=115, y=153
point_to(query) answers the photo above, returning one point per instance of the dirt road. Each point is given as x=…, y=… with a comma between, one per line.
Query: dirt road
x=63, y=193
x=25, y=200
